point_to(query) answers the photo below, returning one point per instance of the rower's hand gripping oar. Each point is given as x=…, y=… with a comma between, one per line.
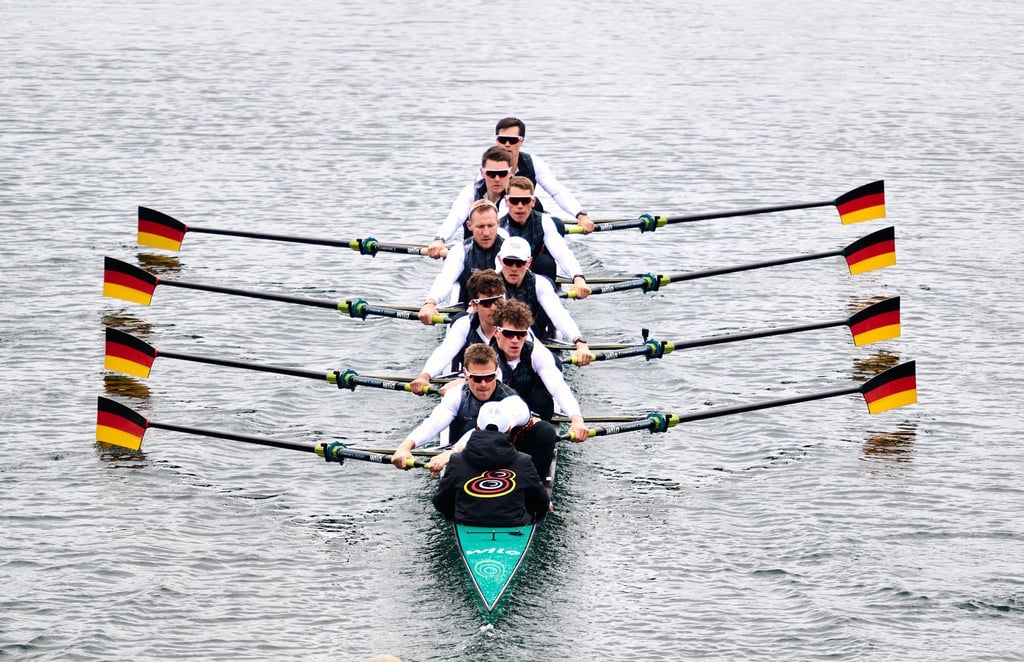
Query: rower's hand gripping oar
x=134, y=356
x=864, y=203
x=125, y=281
x=874, y=323
x=875, y=251
x=896, y=387
x=122, y=426
x=160, y=230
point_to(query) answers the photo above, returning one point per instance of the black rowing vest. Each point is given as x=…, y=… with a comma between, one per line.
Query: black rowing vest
x=526, y=382
x=527, y=293
x=469, y=409
x=532, y=231
x=476, y=259
x=524, y=168
x=471, y=338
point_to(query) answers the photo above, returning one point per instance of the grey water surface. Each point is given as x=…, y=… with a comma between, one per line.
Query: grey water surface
x=807, y=532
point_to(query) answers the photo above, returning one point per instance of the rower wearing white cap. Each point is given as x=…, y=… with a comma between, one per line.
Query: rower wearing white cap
x=490, y=483
x=549, y=315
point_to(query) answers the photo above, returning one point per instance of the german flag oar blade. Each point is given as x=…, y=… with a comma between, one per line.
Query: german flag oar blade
x=896, y=387
x=879, y=321
x=159, y=230
x=125, y=281
x=875, y=251
x=119, y=425
x=126, y=353
x=865, y=203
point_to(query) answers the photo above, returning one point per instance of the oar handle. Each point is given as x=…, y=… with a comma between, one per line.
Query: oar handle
x=337, y=452
x=370, y=246
x=350, y=379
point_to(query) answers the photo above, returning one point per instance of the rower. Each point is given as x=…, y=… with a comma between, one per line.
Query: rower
x=530, y=368
x=495, y=171
x=510, y=133
x=490, y=483
x=458, y=410
x=547, y=246
x=537, y=292
x=478, y=252
x=485, y=288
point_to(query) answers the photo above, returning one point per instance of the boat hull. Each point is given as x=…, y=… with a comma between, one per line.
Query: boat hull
x=493, y=557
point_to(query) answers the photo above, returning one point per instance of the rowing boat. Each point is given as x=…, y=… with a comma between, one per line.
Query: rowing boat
x=493, y=556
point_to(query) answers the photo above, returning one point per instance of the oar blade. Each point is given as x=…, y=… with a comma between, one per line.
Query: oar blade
x=879, y=321
x=864, y=203
x=158, y=230
x=896, y=387
x=875, y=251
x=128, y=282
x=126, y=353
x=119, y=425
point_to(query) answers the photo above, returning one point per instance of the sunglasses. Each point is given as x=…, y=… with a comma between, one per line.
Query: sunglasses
x=482, y=379
x=511, y=333
x=512, y=262
x=508, y=140
x=496, y=174
x=519, y=200
x=487, y=302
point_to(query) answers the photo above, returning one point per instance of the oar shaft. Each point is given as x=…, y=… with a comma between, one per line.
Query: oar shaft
x=274, y=237
x=280, y=370
x=269, y=296
x=768, y=404
x=686, y=218
x=248, y=439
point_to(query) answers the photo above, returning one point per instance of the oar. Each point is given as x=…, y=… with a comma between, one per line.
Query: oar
x=160, y=230
x=874, y=323
x=122, y=426
x=864, y=203
x=133, y=356
x=896, y=387
x=125, y=281
x=875, y=251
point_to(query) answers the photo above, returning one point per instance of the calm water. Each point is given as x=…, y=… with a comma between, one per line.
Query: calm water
x=806, y=532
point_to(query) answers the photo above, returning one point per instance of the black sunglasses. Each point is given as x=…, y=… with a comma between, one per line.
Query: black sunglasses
x=511, y=333
x=482, y=379
x=512, y=262
x=508, y=140
x=487, y=302
x=496, y=174
x=519, y=200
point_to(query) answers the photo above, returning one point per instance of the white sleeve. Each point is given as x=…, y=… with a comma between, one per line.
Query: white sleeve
x=441, y=358
x=552, y=305
x=440, y=418
x=457, y=215
x=555, y=243
x=561, y=195
x=450, y=272
x=543, y=362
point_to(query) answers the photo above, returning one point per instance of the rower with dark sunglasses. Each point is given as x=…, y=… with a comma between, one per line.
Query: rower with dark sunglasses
x=530, y=368
x=538, y=293
x=495, y=171
x=458, y=410
x=510, y=133
x=485, y=288
x=547, y=245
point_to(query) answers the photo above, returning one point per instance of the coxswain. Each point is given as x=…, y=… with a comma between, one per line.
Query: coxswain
x=514, y=494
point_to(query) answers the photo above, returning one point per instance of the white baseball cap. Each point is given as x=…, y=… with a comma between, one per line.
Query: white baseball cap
x=493, y=416
x=516, y=247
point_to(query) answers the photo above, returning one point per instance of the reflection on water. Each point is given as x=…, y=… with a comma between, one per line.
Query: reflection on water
x=126, y=386
x=867, y=367
x=123, y=321
x=891, y=446
x=159, y=265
